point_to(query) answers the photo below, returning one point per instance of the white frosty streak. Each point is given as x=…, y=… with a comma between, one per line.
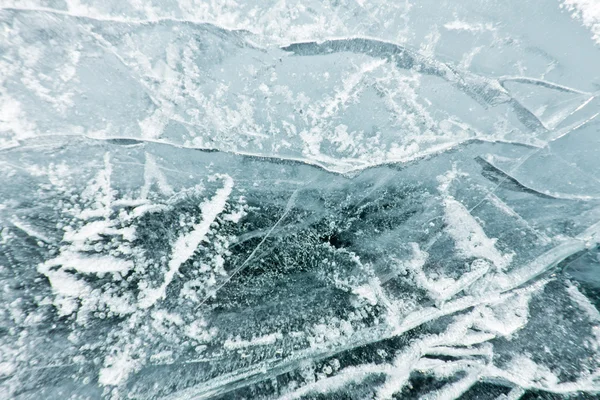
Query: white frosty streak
x=259, y=341
x=589, y=12
x=469, y=238
x=186, y=244
x=90, y=264
x=120, y=366
x=152, y=173
x=583, y=302
x=458, y=25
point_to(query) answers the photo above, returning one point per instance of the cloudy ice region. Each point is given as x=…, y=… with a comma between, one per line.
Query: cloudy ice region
x=282, y=199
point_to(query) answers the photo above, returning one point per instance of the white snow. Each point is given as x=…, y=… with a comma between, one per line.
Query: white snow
x=29, y=230
x=117, y=369
x=153, y=126
x=258, y=341
x=14, y=125
x=458, y=25
x=589, y=13
x=66, y=287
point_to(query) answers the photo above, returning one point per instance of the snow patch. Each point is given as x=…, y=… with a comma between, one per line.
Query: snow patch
x=100, y=264
x=117, y=370
x=588, y=11
x=259, y=341
x=458, y=25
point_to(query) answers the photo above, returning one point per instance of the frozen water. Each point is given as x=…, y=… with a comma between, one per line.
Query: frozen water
x=338, y=199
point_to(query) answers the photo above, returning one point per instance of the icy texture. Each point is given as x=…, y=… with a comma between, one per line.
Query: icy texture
x=338, y=199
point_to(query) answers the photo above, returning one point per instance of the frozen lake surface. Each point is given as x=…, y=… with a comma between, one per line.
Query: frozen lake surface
x=299, y=200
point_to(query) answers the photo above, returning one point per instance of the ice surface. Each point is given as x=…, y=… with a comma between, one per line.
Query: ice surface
x=297, y=200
